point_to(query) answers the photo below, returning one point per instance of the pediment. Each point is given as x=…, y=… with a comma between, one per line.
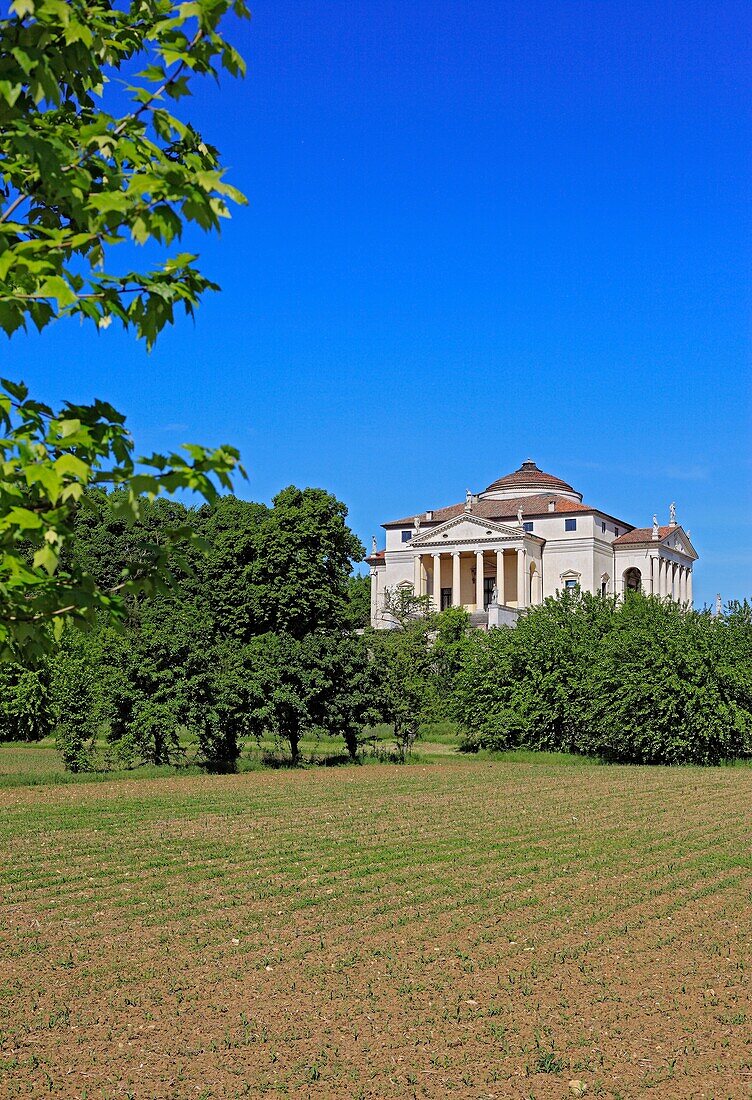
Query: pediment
x=467, y=528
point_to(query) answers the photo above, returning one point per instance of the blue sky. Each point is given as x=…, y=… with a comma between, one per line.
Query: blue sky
x=477, y=232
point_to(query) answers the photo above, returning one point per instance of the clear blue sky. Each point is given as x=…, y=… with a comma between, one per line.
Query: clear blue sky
x=478, y=231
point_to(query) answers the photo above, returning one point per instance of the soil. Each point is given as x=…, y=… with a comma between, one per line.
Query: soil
x=480, y=931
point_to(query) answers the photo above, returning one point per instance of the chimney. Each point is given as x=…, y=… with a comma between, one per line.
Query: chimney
x=429, y=515
x=552, y=505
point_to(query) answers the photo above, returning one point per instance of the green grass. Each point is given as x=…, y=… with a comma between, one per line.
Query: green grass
x=39, y=764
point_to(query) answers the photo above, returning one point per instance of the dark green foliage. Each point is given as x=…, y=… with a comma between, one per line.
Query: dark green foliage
x=305, y=552
x=24, y=703
x=252, y=639
x=663, y=690
x=403, y=674
x=297, y=686
x=358, y=607
x=638, y=681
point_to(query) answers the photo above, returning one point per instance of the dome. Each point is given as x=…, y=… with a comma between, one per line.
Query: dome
x=529, y=481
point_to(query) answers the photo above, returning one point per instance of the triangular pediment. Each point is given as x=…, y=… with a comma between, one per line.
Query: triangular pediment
x=677, y=539
x=467, y=528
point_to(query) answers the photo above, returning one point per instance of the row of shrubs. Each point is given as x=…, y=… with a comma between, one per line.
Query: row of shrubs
x=639, y=680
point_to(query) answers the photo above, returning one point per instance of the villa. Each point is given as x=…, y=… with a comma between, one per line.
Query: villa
x=526, y=537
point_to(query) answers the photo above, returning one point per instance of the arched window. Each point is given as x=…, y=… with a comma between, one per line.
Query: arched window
x=632, y=580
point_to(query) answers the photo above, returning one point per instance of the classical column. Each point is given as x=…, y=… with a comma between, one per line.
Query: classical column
x=479, y=580
x=456, y=594
x=683, y=583
x=500, y=576
x=689, y=585
x=437, y=581
x=374, y=595
x=416, y=575
x=672, y=576
x=522, y=578
x=661, y=578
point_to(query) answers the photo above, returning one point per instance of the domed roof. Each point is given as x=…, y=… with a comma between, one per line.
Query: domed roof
x=529, y=479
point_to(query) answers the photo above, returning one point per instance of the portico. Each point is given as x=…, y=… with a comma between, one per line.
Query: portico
x=472, y=562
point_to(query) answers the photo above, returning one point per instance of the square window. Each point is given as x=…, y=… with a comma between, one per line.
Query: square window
x=528, y=525
x=406, y=536
x=570, y=584
x=570, y=524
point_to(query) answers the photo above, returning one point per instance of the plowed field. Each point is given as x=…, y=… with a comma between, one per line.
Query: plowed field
x=485, y=930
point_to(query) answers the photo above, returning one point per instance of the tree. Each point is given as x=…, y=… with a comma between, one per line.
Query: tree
x=403, y=676
x=358, y=610
x=47, y=462
x=75, y=181
x=24, y=703
x=305, y=552
x=401, y=607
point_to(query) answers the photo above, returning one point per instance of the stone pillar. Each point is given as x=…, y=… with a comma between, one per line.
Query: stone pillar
x=456, y=594
x=683, y=583
x=374, y=595
x=522, y=578
x=437, y=581
x=661, y=578
x=689, y=585
x=500, y=577
x=479, y=580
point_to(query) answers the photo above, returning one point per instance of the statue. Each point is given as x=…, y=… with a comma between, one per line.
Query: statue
x=416, y=525
x=656, y=532
x=494, y=594
x=519, y=516
x=718, y=604
x=672, y=513
x=374, y=544
x=468, y=501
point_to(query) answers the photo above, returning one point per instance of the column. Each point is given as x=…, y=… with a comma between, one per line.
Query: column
x=689, y=585
x=479, y=580
x=374, y=595
x=437, y=581
x=683, y=583
x=456, y=595
x=500, y=576
x=661, y=578
x=672, y=579
x=521, y=578
x=416, y=575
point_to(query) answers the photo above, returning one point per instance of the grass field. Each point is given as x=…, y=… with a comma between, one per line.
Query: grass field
x=474, y=930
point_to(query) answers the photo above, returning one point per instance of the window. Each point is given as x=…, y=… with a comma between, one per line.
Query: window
x=570, y=524
x=570, y=584
x=446, y=598
x=528, y=525
x=406, y=536
x=604, y=588
x=616, y=532
x=603, y=527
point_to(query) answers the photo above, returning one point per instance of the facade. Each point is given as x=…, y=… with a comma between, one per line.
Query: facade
x=526, y=537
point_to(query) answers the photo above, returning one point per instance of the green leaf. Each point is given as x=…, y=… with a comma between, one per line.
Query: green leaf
x=56, y=287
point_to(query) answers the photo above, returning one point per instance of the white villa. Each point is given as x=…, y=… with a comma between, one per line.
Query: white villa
x=527, y=536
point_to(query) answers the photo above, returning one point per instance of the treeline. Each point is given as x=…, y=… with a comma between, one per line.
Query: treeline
x=264, y=635
x=636, y=681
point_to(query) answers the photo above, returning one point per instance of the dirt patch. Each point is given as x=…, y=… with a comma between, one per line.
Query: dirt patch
x=478, y=931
